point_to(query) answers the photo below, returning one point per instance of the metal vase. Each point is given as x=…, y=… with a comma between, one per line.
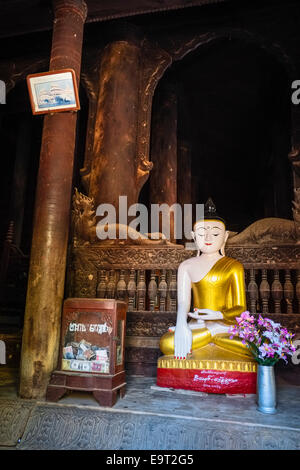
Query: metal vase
x=266, y=389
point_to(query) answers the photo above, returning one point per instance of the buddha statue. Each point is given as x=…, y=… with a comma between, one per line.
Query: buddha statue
x=218, y=287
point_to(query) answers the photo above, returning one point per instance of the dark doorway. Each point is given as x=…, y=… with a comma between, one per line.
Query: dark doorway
x=234, y=113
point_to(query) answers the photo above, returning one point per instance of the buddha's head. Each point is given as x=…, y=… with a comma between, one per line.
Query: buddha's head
x=210, y=234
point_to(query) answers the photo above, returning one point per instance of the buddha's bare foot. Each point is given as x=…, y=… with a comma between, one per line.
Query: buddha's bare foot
x=197, y=325
x=216, y=328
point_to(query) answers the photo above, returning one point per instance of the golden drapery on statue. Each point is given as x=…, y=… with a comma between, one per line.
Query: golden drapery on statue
x=222, y=289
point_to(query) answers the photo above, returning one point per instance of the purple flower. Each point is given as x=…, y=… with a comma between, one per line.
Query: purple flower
x=246, y=316
x=267, y=337
x=266, y=350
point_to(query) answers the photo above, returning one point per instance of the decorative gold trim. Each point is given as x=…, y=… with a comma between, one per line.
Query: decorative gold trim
x=233, y=366
x=211, y=357
x=167, y=362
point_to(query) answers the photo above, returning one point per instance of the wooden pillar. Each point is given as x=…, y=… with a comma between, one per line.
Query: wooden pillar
x=52, y=214
x=114, y=163
x=163, y=179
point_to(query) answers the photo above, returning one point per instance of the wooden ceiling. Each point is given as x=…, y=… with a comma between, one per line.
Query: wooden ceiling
x=19, y=17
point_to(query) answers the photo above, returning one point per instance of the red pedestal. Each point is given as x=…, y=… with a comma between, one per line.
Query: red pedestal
x=208, y=381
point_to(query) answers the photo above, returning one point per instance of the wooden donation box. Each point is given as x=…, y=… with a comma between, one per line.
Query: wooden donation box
x=92, y=350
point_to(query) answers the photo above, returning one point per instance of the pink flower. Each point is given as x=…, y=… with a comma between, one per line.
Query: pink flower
x=268, y=338
x=260, y=320
x=246, y=316
x=266, y=350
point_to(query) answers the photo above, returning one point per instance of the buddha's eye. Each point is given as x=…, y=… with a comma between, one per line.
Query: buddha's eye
x=216, y=234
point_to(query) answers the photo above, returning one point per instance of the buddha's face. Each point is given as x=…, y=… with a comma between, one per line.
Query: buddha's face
x=210, y=235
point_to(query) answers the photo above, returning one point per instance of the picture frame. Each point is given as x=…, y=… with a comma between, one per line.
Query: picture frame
x=53, y=92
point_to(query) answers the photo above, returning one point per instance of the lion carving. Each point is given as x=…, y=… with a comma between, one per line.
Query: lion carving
x=84, y=227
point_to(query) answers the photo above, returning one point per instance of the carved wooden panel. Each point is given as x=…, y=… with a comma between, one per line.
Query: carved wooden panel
x=164, y=257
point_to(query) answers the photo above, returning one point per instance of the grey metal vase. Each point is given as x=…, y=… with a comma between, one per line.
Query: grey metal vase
x=266, y=389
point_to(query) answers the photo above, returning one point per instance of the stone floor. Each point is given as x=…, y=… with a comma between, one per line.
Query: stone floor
x=149, y=418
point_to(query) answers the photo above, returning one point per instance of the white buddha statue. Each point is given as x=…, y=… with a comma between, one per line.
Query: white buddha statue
x=218, y=287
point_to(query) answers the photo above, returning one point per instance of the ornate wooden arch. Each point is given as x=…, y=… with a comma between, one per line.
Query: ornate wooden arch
x=157, y=60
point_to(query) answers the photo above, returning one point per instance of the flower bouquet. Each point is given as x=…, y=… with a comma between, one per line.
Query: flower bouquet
x=268, y=341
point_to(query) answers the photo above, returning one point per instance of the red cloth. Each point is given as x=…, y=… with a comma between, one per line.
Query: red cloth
x=208, y=381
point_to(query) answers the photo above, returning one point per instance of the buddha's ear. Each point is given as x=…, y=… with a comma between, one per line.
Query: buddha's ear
x=225, y=240
x=193, y=235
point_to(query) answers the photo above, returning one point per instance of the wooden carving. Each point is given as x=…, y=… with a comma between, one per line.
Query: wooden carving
x=294, y=157
x=83, y=218
x=154, y=63
x=266, y=231
x=84, y=227
x=296, y=213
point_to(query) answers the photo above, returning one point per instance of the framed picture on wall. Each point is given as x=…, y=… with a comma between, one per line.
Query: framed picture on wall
x=52, y=92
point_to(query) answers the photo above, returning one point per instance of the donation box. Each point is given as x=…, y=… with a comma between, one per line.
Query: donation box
x=92, y=350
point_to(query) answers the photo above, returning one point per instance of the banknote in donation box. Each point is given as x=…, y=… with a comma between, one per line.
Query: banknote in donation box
x=92, y=350
x=81, y=355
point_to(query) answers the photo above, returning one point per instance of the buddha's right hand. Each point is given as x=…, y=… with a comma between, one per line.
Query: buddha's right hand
x=205, y=314
x=182, y=340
